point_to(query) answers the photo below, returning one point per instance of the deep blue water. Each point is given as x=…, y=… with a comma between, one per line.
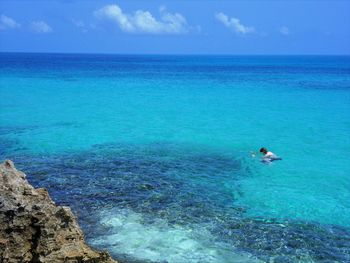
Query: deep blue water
x=153, y=152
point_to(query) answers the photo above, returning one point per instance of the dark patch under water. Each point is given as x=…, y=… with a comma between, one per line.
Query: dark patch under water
x=181, y=185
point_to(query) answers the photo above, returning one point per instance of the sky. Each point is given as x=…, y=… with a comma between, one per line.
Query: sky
x=275, y=27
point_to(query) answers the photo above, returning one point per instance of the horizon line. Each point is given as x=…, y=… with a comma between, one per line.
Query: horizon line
x=163, y=54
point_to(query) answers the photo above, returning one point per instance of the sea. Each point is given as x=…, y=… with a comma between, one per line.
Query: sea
x=158, y=155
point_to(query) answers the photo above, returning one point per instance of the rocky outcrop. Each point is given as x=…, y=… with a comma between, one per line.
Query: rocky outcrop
x=34, y=229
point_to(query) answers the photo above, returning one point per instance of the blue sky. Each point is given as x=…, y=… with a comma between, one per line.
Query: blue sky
x=176, y=27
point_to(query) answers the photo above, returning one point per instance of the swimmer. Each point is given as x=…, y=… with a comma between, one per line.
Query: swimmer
x=268, y=156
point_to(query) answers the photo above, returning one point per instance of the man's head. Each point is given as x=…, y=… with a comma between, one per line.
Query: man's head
x=263, y=150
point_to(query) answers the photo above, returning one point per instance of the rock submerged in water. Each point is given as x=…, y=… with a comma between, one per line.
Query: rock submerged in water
x=34, y=229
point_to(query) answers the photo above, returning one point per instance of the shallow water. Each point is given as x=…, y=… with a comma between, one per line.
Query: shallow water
x=152, y=152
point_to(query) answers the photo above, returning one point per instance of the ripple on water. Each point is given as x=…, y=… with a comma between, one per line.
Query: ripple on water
x=169, y=203
x=129, y=233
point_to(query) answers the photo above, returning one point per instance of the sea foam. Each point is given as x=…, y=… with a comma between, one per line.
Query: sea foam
x=129, y=233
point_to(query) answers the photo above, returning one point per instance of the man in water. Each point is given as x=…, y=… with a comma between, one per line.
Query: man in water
x=268, y=156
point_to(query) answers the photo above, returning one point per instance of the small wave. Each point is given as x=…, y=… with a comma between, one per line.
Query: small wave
x=129, y=233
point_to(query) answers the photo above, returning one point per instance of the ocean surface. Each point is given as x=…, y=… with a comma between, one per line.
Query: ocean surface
x=153, y=153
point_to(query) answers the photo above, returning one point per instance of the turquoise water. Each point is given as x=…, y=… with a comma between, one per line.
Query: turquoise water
x=153, y=152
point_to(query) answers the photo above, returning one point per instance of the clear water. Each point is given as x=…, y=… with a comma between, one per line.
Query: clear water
x=153, y=152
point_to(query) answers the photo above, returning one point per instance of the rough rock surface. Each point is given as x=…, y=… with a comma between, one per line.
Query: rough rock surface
x=34, y=229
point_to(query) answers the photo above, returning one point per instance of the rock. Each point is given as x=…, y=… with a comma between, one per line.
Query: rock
x=34, y=229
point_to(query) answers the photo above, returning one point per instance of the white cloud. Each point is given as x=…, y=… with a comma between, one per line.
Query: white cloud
x=144, y=22
x=284, y=30
x=84, y=27
x=40, y=27
x=8, y=22
x=234, y=24
x=80, y=25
